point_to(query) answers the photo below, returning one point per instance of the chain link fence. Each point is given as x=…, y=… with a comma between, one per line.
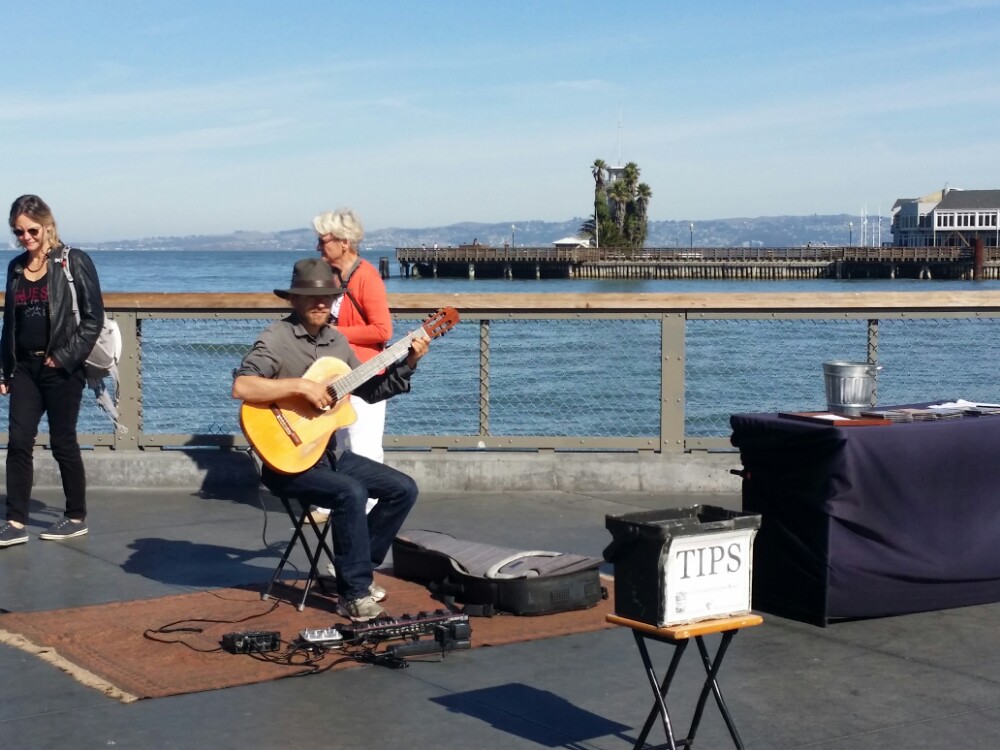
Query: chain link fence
x=583, y=379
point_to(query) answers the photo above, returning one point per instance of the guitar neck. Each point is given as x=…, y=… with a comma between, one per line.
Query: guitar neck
x=357, y=377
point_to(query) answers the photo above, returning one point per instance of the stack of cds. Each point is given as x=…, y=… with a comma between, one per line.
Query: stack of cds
x=914, y=415
x=892, y=415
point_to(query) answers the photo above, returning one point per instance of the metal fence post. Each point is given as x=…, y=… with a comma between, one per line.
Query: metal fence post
x=130, y=377
x=873, y=355
x=672, y=326
x=484, y=376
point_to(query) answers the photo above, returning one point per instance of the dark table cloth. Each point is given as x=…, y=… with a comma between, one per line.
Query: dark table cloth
x=871, y=521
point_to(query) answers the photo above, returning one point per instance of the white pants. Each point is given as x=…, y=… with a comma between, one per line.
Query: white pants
x=364, y=437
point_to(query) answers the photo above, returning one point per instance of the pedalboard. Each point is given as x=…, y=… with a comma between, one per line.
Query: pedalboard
x=252, y=641
x=455, y=624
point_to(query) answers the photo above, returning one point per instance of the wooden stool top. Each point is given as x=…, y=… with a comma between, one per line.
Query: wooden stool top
x=690, y=630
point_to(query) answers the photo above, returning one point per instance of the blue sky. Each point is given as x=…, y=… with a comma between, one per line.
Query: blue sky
x=136, y=119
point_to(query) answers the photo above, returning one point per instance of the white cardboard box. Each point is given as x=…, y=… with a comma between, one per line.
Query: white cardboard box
x=704, y=576
x=682, y=565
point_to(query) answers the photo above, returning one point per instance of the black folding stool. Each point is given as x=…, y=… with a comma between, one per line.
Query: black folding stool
x=301, y=520
x=679, y=636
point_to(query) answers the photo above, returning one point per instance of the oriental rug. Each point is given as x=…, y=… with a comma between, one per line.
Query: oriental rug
x=170, y=646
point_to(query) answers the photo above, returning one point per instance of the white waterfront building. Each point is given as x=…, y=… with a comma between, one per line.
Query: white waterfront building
x=947, y=218
x=572, y=242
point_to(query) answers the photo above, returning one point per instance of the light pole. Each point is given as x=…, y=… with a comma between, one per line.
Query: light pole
x=691, y=228
x=512, y=228
x=597, y=232
x=850, y=234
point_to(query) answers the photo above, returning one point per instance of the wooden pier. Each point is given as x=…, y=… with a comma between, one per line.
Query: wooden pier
x=480, y=261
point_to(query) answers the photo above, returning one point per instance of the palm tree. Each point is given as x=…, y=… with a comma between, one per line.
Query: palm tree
x=631, y=175
x=642, y=195
x=620, y=196
x=599, y=170
x=620, y=209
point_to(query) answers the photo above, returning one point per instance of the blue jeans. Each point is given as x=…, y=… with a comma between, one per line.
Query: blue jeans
x=361, y=542
x=35, y=390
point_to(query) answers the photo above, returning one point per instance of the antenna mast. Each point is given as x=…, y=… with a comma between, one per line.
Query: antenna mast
x=619, y=133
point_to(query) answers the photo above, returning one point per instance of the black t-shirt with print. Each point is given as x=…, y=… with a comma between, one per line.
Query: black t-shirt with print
x=31, y=310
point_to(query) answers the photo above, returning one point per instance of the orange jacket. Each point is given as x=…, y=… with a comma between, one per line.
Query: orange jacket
x=368, y=289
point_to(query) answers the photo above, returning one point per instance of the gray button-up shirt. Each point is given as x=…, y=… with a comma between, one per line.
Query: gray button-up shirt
x=286, y=350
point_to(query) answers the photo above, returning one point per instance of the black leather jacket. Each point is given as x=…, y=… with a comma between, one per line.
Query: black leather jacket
x=69, y=343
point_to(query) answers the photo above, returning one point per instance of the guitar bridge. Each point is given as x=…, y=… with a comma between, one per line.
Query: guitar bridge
x=283, y=421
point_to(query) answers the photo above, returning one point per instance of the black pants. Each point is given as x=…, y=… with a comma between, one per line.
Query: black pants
x=35, y=390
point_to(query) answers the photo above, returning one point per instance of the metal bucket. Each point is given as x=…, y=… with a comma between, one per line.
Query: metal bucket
x=849, y=386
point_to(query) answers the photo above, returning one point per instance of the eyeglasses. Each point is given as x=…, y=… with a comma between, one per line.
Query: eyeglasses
x=321, y=241
x=33, y=231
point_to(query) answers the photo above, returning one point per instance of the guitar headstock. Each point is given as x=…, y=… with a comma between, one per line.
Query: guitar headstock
x=440, y=322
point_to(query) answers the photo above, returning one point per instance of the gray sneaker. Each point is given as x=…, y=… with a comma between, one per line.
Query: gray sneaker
x=64, y=529
x=361, y=610
x=11, y=535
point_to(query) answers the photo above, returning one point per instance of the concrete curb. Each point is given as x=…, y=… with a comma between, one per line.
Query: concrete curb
x=472, y=471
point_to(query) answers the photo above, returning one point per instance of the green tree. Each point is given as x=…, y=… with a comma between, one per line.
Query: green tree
x=599, y=169
x=619, y=196
x=631, y=175
x=643, y=194
x=620, y=208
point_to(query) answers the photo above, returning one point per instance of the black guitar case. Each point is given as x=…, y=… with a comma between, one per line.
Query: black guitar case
x=489, y=580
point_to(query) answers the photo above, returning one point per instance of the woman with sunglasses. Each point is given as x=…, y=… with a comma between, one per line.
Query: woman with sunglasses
x=43, y=348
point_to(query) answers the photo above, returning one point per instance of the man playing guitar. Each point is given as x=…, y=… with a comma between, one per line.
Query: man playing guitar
x=274, y=383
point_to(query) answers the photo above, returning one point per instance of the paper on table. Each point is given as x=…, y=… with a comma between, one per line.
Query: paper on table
x=963, y=404
x=831, y=417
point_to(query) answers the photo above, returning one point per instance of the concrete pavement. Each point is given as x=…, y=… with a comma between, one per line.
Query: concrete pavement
x=928, y=680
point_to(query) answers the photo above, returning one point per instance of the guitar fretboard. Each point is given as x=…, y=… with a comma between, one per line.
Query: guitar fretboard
x=347, y=384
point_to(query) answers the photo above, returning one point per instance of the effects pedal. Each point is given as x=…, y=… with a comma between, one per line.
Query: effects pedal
x=327, y=637
x=252, y=641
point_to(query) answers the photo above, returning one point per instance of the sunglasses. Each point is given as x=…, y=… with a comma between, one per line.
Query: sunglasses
x=33, y=231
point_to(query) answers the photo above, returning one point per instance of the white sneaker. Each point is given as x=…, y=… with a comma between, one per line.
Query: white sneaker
x=361, y=610
x=378, y=593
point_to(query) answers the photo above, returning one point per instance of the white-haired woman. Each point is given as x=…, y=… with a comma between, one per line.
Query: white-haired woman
x=363, y=317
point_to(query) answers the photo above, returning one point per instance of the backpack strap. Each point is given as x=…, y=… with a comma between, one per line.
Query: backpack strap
x=346, y=278
x=64, y=262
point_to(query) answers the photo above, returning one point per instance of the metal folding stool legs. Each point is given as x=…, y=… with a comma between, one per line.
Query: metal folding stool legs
x=679, y=636
x=300, y=521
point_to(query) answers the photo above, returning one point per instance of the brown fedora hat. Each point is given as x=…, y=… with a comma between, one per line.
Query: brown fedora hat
x=311, y=276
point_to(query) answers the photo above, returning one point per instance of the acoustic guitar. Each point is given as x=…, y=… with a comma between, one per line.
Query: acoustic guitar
x=290, y=434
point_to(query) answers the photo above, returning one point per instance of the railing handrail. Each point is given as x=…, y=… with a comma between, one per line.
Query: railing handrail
x=693, y=303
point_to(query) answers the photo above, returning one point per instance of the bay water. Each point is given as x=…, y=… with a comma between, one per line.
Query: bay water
x=264, y=270
x=563, y=377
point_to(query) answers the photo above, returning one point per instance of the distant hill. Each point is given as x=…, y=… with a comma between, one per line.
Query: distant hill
x=761, y=231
